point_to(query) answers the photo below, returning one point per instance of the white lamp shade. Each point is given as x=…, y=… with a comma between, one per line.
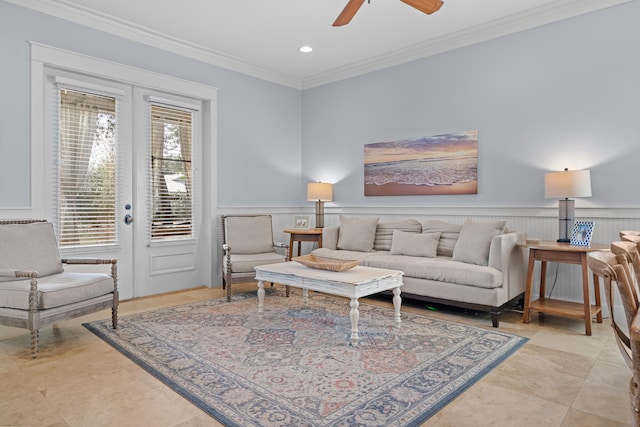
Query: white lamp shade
x=565, y=184
x=319, y=191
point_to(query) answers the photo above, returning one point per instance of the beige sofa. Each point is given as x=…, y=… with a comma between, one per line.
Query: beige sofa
x=479, y=266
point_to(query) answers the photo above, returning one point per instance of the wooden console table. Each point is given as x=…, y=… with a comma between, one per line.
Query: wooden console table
x=551, y=251
x=303, y=235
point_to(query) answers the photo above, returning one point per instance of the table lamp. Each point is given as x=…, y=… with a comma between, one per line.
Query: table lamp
x=563, y=185
x=319, y=192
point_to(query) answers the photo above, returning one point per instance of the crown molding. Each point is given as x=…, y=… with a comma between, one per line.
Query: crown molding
x=128, y=30
x=547, y=14
x=552, y=12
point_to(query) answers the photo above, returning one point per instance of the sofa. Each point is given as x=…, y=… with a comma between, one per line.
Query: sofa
x=475, y=265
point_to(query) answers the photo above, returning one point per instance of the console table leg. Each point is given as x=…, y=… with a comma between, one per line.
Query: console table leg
x=355, y=316
x=397, y=302
x=260, y=296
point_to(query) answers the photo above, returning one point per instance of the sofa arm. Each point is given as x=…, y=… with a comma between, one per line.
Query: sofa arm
x=330, y=237
x=508, y=255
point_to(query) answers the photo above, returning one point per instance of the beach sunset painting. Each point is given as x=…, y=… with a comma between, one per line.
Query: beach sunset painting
x=440, y=164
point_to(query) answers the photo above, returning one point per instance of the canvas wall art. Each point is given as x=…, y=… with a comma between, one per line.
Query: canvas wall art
x=440, y=164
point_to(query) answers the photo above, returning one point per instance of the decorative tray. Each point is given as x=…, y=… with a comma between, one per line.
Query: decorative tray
x=322, y=263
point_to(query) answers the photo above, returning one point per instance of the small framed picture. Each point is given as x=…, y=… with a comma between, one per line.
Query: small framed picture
x=581, y=234
x=301, y=221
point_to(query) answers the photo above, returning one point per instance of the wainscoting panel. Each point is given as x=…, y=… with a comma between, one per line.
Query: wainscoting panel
x=172, y=263
x=564, y=281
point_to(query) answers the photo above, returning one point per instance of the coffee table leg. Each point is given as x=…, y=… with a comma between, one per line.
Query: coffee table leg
x=305, y=296
x=355, y=315
x=260, y=296
x=397, y=302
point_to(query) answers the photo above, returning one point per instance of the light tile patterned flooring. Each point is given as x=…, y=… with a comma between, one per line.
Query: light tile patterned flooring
x=559, y=378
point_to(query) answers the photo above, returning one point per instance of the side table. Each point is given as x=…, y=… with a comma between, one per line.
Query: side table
x=303, y=235
x=551, y=251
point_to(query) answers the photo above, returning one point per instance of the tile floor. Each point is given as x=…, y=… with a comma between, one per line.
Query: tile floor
x=560, y=377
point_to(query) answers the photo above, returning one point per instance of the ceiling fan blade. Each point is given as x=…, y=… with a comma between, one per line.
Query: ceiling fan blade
x=348, y=12
x=426, y=6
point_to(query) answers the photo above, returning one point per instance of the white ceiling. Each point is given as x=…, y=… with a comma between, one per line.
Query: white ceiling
x=262, y=37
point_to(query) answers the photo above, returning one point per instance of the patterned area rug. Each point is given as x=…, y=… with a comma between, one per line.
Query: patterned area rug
x=294, y=366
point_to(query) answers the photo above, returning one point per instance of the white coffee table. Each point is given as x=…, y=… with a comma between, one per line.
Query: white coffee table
x=354, y=283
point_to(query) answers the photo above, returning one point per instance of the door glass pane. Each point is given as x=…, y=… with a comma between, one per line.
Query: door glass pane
x=171, y=173
x=86, y=169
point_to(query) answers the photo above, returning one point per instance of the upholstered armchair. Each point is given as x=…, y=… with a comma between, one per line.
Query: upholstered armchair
x=247, y=242
x=35, y=291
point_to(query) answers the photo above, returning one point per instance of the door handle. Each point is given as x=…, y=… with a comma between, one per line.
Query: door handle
x=128, y=219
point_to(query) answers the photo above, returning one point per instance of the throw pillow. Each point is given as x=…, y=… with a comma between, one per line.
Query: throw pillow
x=357, y=234
x=449, y=234
x=415, y=244
x=475, y=241
x=384, y=232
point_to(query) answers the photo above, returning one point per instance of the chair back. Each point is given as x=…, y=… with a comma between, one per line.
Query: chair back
x=620, y=266
x=628, y=256
x=631, y=236
x=248, y=234
x=29, y=246
x=605, y=265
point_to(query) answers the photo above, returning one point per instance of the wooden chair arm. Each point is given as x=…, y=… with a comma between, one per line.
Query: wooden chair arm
x=18, y=273
x=89, y=261
x=281, y=245
x=97, y=261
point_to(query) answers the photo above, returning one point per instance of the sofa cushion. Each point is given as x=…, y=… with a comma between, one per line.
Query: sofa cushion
x=449, y=234
x=441, y=269
x=56, y=290
x=357, y=234
x=475, y=240
x=415, y=244
x=384, y=232
x=29, y=247
x=344, y=255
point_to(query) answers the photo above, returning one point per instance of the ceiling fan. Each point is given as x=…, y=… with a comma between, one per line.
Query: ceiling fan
x=349, y=11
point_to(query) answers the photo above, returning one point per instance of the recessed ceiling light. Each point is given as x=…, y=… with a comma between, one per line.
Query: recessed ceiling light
x=306, y=49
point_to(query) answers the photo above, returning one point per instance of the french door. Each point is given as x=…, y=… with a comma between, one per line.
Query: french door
x=124, y=180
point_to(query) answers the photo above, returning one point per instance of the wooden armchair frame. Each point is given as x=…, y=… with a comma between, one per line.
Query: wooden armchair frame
x=619, y=266
x=228, y=275
x=37, y=318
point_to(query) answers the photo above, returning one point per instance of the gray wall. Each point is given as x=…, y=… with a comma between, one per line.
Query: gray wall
x=259, y=123
x=561, y=95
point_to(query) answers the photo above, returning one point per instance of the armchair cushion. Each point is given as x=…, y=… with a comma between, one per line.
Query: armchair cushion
x=29, y=247
x=249, y=235
x=56, y=290
x=246, y=263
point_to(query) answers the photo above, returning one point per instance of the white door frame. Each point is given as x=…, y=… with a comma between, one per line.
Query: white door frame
x=42, y=55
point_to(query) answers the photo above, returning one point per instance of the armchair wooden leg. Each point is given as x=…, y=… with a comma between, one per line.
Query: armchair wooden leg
x=114, y=317
x=34, y=344
x=228, y=292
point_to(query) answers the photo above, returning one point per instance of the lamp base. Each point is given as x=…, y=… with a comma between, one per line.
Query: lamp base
x=566, y=215
x=319, y=214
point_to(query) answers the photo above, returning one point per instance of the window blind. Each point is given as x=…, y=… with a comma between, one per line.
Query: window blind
x=86, y=168
x=171, y=173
